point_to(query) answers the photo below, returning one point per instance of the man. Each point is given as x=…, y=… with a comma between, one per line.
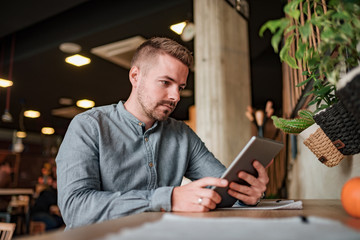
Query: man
x=130, y=157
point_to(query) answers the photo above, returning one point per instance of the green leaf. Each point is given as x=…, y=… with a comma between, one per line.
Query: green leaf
x=305, y=31
x=313, y=102
x=275, y=40
x=323, y=90
x=272, y=25
x=305, y=73
x=356, y=22
x=314, y=61
x=347, y=29
x=306, y=114
x=296, y=125
x=289, y=29
x=285, y=49
x=292, y=9
x=327, y=34
x=303, y=82
x=300, y=51
x=294, y=14
x=291, y=61
x=284, y=53
x=342, y=15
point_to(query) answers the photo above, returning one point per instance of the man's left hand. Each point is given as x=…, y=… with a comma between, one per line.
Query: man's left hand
x=250, y=195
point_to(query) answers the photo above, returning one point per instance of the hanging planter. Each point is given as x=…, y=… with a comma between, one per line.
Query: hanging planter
x=320, y=42
x=322, y=147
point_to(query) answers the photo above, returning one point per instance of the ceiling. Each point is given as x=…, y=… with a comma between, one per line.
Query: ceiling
x=41, y=77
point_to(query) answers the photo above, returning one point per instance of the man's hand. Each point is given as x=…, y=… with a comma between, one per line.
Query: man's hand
x=250, y=194
x=186, y=198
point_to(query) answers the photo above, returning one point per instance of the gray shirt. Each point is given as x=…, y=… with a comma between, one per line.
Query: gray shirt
x=108, y=166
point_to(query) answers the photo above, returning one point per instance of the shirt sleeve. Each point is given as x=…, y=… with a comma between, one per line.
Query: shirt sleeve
x=202, y=162
x=81, y=198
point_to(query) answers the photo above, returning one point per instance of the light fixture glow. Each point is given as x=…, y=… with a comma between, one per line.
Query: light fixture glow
x=78, y=60
x=32, y=114
x=47, y=130
x=178, y=28
x=69, y=47
x=21, y=134
x=85, y=103
x=5, y=83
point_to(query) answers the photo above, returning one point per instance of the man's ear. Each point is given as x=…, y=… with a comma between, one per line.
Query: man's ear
x=134, y=76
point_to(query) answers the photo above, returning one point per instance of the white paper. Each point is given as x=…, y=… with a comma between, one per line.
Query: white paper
x=272, y=205
x=176, y=227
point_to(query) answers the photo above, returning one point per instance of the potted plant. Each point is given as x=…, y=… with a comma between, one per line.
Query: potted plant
x=320, y=39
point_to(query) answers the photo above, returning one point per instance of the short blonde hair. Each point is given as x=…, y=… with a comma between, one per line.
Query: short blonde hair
x=160, y=45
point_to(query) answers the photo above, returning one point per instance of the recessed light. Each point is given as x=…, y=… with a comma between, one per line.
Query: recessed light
x=69, y=47
x=78, y=60
x=47, y=130
x=21, y=134
x=85, y=103
x=32, y=114
x=178, y=28
x=5, y=83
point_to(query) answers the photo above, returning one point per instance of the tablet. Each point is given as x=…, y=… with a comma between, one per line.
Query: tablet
x=260, y=149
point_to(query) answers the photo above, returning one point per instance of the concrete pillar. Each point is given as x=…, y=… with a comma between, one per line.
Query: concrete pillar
x=222, y=78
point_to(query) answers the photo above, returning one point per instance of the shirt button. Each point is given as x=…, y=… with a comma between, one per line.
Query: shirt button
x=151, y=164
x=146, y=139
x=140, y=124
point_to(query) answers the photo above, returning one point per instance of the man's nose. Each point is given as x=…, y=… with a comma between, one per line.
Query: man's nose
x=174, y=94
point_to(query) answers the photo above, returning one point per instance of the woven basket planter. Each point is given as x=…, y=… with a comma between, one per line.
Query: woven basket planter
x=341, y=127
x=322, y=147
x=350, y=96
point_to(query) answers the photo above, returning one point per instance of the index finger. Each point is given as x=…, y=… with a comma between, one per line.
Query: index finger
x=211, y=181
x=259, y=168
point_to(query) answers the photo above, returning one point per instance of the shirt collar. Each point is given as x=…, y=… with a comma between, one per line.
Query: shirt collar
x=132, y=118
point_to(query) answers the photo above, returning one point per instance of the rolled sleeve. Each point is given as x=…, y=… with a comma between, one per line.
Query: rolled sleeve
x=161, y=199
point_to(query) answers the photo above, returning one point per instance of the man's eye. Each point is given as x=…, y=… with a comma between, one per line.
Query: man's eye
x=165, y=82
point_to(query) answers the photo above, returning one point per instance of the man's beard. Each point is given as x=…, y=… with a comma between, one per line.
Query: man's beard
x=153, y=112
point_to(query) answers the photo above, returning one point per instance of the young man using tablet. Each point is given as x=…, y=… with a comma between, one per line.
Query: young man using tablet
x=131, y=157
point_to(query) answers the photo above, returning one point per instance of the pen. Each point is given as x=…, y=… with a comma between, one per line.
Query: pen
x=304, y=219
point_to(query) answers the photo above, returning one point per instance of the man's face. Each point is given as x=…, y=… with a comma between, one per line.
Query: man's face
x=159, y=86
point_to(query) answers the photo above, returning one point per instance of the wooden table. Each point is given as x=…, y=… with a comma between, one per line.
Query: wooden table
x=16, y=191
x=331, y=209
x=24, y=204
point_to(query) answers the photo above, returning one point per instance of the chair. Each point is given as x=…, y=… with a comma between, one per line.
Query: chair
x=6, y=230
x=37, y=227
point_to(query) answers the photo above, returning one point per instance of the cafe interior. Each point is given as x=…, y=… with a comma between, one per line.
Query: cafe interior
x=61, y=58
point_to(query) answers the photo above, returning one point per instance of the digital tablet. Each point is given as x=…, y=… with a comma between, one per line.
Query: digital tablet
x=260, y=149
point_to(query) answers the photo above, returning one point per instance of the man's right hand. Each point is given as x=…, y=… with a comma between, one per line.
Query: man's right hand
x=187, y=198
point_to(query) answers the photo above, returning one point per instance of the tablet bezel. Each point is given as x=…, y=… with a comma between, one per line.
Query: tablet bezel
x=260, y=149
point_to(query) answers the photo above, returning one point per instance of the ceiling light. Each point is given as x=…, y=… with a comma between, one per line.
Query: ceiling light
x=47, y=130
x=178, y=28
x=66, y=101
x=5, y=83
x=78, y=60
x=186, y=93
x=85, y=103
x=6, y=117
x=69, y=47
x=21, y=134
x=32, y=114
x=188, y=32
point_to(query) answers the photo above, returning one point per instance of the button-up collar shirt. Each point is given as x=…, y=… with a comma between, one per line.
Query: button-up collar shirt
x=108, y=166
